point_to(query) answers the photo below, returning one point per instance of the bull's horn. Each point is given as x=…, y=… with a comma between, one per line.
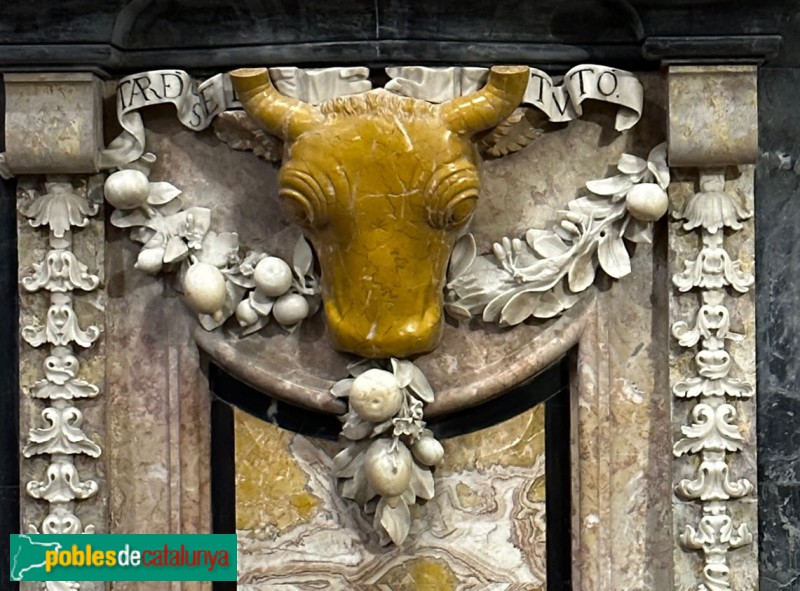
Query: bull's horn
x=486, y=108
x=280, y=115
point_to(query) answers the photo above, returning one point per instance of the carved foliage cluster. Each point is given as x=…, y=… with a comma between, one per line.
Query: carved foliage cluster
x=542, y=275
x=713, y=432
x=60, y=434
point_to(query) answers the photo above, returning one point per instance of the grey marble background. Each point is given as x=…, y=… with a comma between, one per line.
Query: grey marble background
x=777, y=194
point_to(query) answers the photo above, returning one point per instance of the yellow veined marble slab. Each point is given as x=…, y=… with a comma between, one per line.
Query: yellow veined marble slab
x=485, y=526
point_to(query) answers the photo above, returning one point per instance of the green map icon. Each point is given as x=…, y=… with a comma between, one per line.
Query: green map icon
x=27, y=556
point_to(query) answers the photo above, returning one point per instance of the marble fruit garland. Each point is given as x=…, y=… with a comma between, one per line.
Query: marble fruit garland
x=387, y=463
x=542, y=275
x=218, y=282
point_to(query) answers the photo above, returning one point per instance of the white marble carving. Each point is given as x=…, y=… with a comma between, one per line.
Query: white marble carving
x=390, y=452
x=61, y=326
x=61, y=378
x=59, y=272
x=62, y=485
x=541, y=276
x=218, y=280
x=714, y=431
x=61, y=208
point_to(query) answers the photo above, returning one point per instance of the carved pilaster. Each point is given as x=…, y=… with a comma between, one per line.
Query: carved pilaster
x=712, y=312
x=62, y=306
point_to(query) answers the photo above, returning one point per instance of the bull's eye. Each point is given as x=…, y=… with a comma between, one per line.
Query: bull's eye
x=453, y=195
x=297, y=208
x=459, y=210
x=303, y=197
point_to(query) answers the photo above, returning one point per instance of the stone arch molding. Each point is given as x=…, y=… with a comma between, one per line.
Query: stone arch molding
x=534, y=287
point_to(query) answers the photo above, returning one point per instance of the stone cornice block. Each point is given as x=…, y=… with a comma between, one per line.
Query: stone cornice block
x=53, y=122
x=713, y=115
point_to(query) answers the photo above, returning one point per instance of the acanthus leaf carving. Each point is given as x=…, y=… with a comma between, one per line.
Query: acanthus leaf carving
x=715, y=536
x=61, y=381
x=61, y=327
x=713, y=429
x=713, y=269
x=60, y=208
x=60, y=271
x=712, y=482
x=64, y=435
x=712, y=208
x=63, y=484
x=62, y=520
x=714, y=432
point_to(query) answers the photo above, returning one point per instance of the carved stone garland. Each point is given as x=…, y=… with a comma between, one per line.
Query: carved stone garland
x=386, y=464
x=61, y=433
x=713, y=432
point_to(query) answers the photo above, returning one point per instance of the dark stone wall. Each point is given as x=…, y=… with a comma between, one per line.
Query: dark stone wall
x=115, y=36
x=9, y=379
x=778, y=325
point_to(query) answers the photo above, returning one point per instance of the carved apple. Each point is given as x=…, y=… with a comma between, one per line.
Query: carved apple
x=127, y=189
x=647, y=202
x=204, y=289
x=272, y=276
x=290, y=309
x=375, y=395
x=388, y=467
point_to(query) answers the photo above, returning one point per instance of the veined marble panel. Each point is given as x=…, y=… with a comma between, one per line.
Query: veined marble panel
x=485, y=529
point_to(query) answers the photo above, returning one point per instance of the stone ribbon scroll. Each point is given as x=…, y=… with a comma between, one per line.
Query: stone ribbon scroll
x=197, y=103
x=560, y=102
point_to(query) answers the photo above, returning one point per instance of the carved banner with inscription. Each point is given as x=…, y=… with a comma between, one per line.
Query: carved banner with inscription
x=198, y=102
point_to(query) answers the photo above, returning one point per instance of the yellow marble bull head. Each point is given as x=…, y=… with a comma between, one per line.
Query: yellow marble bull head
x=381, y=185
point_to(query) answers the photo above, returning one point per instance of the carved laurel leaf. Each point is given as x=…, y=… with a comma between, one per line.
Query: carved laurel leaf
x=613, y=256
x=421, y=481
x=410, y=376
x=464, y=253
x=240, y=132
x=342, y=388
x=302, y=258
x=518, y=308
x=396, y=521
x=517, y=131
x=581, y=273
